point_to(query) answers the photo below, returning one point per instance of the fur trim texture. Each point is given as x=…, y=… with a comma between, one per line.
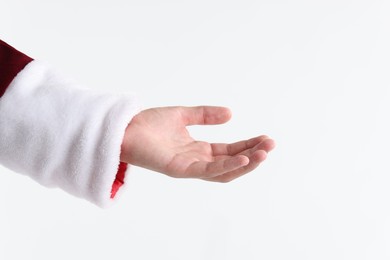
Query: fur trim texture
x=63, y=135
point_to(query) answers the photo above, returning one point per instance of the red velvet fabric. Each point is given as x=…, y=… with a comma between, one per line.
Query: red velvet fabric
x=119, y=180
x=12, y=62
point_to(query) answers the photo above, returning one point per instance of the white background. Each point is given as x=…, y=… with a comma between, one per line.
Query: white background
x=314, y=75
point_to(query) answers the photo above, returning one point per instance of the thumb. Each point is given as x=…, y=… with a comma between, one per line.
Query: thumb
x=205, y=115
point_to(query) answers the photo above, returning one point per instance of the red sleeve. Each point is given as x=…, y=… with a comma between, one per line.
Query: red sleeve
x=119, y=179
x=12, y=62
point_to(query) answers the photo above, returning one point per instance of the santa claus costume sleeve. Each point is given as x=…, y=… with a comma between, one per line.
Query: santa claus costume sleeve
x=59, y=133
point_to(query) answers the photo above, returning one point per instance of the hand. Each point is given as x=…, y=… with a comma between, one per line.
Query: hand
x=157, y=139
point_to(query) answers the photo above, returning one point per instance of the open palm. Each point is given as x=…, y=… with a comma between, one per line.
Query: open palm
x=157, y=139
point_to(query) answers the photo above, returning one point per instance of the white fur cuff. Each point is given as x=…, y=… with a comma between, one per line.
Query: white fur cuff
x=62, y=135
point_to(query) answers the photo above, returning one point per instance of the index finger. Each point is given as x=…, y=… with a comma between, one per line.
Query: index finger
x=238, y=147
x=203, y=169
